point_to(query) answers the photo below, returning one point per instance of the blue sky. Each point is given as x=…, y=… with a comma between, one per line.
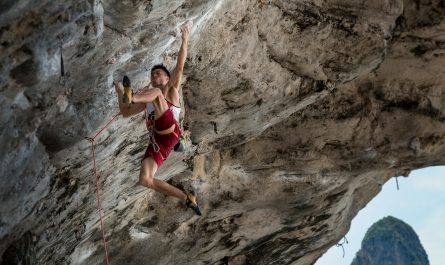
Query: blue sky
x=420, y=202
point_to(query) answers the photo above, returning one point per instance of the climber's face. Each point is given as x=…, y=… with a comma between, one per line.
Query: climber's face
x=159, y=78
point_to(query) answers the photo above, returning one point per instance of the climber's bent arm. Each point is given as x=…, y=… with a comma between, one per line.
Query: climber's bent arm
x=155, y=95
x=146, y=96
x=130, y=110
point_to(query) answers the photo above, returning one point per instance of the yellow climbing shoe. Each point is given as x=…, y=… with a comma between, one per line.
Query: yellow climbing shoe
x=128, y=92
x=191, y=203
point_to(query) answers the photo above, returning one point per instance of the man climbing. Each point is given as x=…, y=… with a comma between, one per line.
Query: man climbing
x=163, y=94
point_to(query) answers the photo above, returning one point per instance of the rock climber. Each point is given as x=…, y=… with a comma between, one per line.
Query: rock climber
x=162, y=95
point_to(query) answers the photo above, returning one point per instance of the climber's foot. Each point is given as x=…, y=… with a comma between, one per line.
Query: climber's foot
x=126, y=81
x=128, y=93
x=191, y=203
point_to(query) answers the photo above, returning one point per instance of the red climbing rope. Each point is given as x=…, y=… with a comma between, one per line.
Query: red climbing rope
x=93, y=140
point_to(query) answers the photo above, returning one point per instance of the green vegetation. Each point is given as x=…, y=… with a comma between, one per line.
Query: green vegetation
x=391, y=241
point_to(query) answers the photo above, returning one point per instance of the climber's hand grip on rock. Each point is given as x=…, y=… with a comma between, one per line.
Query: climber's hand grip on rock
x=185, y=29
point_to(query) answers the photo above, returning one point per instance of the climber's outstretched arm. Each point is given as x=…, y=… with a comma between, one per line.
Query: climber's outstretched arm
x=148, y=94
x=175, y=79
x=126, y=109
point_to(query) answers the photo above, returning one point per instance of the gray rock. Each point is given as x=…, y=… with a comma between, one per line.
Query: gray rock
x=298, y=112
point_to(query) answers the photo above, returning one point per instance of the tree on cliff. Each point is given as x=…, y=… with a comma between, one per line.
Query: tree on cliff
x=391, y=241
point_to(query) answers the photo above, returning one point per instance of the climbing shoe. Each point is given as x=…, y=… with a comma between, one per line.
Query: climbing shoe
x=128, y=93
x=180, y=146
x=191, y=203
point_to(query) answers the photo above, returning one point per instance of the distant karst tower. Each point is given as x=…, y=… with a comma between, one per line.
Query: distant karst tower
x=391, y=241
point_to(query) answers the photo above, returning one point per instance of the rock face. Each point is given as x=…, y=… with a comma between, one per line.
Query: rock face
x=391, y=241
x=298, y=112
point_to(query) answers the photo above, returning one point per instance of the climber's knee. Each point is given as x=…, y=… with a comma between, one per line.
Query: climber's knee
x=147, y=173
x=146, y=181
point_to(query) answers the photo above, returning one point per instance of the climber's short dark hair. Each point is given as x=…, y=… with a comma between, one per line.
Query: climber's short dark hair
x=162, y=67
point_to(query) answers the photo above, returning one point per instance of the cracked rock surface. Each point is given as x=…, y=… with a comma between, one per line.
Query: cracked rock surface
x=298, y=112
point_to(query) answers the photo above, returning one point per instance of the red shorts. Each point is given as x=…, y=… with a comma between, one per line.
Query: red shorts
x=165, y=142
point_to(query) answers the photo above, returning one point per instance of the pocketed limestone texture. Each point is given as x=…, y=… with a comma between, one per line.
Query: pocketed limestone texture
x=298, y=112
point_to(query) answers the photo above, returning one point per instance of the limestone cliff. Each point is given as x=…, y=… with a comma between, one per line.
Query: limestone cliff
x=298, y=113
x=391, y=241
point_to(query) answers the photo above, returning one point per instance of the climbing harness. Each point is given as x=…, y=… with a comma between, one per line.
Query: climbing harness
x=93, y=141
x=150, y=124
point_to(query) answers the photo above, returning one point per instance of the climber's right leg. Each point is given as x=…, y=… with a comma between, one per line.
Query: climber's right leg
x=147, y=179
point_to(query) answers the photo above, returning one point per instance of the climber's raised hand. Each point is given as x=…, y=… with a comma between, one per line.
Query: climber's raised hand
x=185, y=29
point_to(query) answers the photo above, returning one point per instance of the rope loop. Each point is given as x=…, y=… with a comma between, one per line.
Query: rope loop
x=92, y=140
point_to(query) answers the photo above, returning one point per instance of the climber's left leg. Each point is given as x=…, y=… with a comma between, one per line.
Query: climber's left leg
x=147, y=179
